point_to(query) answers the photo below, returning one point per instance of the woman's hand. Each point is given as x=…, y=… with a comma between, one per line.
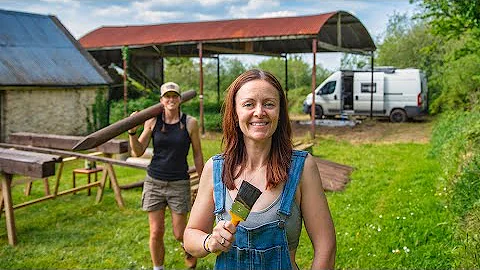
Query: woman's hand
x=134, y=129
x=222, y=237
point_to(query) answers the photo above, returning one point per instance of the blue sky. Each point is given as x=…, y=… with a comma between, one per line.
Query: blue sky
x=83, y=16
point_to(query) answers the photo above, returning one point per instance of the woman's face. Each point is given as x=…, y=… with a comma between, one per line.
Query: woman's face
x=170, y=101
x=257, y=104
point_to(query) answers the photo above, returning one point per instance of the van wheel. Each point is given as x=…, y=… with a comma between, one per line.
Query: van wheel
x=398, y=116
x=318, y=112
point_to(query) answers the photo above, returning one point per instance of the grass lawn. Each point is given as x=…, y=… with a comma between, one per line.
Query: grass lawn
x=391, y=215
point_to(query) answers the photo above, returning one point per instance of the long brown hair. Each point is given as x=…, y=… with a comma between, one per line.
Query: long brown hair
x=235, y=153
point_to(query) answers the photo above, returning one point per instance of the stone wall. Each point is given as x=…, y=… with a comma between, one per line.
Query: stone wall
x=60, y=111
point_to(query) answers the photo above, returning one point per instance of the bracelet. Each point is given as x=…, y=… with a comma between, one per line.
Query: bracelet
x=132, y=133
x=205, y=243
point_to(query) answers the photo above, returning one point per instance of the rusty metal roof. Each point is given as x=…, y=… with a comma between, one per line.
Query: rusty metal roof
x=38, y=50
x=335, y=31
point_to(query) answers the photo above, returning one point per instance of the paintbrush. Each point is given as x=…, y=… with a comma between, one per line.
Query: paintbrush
x=246, y=197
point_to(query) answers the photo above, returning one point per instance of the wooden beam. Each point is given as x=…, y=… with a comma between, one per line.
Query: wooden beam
x=31, y=164
x=72, y=154
x=333, y=48
x=21, y=205
x=218, y=49
x=64, y=142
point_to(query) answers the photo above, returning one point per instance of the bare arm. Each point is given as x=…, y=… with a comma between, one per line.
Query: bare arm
x=140, y=144
x=200, y=222
x=192, y=127
x=317, y=217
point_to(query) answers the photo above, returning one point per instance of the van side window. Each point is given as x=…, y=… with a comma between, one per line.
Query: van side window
x=328, y=88
x=365, y=87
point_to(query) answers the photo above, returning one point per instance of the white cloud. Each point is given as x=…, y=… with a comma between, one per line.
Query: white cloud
x=284, y=13
x=155, y=17
x=252, y=9
x=111, y=11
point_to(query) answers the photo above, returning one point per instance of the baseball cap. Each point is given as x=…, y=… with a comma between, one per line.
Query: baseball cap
x=169, y=87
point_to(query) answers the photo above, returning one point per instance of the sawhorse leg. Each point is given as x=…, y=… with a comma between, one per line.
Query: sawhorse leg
x=7, y=201
x=108, y=171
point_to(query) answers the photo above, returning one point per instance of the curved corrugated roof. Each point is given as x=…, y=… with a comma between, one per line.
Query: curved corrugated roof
x=268, y=35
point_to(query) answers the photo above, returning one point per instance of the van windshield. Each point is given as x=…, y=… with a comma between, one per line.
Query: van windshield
x=328, y=88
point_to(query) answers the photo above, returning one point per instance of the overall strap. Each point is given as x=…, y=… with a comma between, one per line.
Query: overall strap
x=294, y=175
x=218, y=186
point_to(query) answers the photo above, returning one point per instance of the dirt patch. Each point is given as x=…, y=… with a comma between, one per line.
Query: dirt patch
x=370, y=131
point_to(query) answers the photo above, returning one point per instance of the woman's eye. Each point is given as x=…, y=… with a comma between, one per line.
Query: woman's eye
x=269, y=105
x=247, y=104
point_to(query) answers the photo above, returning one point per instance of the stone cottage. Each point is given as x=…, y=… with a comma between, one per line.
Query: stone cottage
x=48, y=82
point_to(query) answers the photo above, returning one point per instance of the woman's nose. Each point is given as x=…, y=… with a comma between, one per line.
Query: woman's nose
x=259, y=111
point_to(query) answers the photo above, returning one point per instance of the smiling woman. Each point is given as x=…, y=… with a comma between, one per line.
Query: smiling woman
x=258, y=150
x=258, y=108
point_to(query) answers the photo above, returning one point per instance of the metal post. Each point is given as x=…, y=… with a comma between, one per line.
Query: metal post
x=371, y=89
x=200, y=55
x=314, y=83
x=125, y=82
x=286, y=76
x=218, y=80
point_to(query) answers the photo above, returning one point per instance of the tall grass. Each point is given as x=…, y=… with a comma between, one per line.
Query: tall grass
x=456, y=144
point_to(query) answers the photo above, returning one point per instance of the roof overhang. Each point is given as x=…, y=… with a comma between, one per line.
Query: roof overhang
x=335, y=32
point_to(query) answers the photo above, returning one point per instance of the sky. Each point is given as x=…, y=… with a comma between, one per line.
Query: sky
x=83, y=16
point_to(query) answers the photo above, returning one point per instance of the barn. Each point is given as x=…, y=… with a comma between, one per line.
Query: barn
x=48, y=82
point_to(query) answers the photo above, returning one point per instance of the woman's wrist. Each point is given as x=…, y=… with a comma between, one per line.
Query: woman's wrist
x=132, y=133
x=205, y=243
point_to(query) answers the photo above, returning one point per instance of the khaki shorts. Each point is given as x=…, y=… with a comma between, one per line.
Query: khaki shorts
x=157, y=194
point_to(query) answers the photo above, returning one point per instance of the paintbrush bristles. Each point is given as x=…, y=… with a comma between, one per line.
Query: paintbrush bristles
x=248, y=194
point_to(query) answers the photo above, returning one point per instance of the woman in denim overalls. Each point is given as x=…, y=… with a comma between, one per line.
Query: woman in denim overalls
x=257, y=148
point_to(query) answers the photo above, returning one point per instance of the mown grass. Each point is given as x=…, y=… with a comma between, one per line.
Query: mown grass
x=393, y=214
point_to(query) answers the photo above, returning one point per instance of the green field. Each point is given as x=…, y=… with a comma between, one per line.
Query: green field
x=392, y=214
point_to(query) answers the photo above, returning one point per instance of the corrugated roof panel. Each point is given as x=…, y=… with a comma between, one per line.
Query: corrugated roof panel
x=34, y=50
x=204, y=31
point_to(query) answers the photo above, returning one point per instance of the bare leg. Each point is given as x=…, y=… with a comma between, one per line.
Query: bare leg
x=179, y=222
x=157, y=230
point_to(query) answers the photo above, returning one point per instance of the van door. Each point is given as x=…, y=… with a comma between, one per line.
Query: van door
x=347, y=92
x=362, y=85
x=328, y=98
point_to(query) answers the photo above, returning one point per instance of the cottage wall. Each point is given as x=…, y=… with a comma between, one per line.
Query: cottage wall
x=60, y=111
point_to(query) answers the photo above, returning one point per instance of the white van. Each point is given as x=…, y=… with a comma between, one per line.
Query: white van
x=399, y=94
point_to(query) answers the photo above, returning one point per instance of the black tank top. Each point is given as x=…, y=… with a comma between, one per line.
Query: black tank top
x=170, y=150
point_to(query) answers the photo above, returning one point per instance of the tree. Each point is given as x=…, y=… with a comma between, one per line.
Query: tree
x=451, y=18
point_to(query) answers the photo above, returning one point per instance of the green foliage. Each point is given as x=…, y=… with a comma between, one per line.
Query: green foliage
x=97, y=115
x=451, y=18
x=299, y=72
x=183, y=71
x=458, y=77
x=456, y=144
x=354, y=61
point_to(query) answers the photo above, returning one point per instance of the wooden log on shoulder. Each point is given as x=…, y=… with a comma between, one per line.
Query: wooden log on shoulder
x=98, y=137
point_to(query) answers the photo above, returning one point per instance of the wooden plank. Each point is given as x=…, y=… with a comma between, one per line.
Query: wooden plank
x=71, y=154
x=64, y=142
x=48, y=197
x=36, y=165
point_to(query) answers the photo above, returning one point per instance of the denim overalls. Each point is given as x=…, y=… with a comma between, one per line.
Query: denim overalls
x=264, y=247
